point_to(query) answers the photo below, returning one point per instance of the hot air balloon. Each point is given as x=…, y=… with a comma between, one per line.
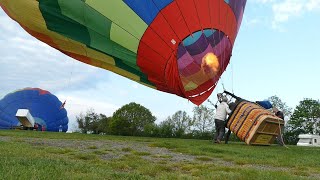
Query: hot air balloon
x=45, y=108
x=176, y=46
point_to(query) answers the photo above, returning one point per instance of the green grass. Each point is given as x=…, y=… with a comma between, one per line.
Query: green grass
x=203, y=158
x=127, y=149
x=29, y=155
x=92, y=147
x=100, y=152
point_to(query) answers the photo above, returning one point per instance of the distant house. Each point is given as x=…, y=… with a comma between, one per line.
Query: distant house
x=308, y=140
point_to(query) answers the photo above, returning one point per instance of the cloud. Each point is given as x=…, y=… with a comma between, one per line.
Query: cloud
x=6, y=24
x=285, y=10
x=251, y=22
x=27, y=62
x=81, y=102
x=263, y=1
x=313, y=5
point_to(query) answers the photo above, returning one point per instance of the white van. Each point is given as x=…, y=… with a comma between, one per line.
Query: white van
x=308, y=140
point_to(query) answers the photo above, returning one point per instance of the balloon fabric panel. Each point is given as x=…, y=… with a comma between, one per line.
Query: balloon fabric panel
x=176, y=46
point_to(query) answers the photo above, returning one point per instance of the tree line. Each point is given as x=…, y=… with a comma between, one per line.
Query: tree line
x=136, y=120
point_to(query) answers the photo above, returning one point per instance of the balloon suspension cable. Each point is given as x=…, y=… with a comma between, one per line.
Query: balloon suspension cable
x=71, y=74
x=214, y=105
x=210, y=102
x=232, y=77
x=68, y=85
x=281, y=137
x=223, y=86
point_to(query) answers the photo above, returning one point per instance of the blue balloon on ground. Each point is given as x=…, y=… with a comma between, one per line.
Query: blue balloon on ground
x=46, y=109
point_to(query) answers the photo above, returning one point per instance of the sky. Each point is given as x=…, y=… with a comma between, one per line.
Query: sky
x=276, y=53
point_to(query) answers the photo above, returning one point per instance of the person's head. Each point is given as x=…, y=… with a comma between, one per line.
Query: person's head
x=275, y=110
x=219, y=96
x=224, y=99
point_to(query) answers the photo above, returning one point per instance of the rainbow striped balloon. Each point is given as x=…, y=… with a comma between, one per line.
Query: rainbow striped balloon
x=176, y=46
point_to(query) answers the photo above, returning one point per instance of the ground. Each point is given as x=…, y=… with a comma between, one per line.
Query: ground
x=112, y=157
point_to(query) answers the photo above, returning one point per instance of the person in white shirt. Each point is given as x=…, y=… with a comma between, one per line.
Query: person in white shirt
x=220, y=117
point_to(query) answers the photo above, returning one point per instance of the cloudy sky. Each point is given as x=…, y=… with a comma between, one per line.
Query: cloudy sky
x=276, y=53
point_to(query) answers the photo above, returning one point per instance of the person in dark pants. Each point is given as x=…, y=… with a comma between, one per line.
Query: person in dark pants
x=220, y=117
x=279, y=114
x=232, y=106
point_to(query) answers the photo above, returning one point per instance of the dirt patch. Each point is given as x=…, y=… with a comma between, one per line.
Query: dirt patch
x=110, y=150
x=5, y=138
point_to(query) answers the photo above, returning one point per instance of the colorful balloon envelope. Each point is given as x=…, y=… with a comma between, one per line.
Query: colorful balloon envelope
x=45, y=108
x=176, y=46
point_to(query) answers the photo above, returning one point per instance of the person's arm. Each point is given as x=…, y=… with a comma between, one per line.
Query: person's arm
x=228, y=109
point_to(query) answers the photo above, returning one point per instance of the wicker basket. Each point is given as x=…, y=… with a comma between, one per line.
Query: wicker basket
x=254, y=124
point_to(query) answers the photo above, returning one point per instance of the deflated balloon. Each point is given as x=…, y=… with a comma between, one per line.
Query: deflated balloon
x=158, y=43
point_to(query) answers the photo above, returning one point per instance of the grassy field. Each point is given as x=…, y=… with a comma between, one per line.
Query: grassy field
x=45, y=155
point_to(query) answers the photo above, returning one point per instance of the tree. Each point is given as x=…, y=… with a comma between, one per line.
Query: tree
x=181, y=122
x=131, y=119
x=278, y=103
x=304, y=120
x=83, y=125
x=88, y=122
x=92, y=122
x=203, y=119
x=166, y=128
x=151, y=130
x=103, y=124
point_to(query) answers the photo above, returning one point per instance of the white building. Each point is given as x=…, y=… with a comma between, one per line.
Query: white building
x=309, y=140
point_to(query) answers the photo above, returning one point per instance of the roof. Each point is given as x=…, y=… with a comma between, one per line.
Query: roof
x=305, y=136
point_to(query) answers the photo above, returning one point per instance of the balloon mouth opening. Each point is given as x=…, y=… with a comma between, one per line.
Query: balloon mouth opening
x=202, y=57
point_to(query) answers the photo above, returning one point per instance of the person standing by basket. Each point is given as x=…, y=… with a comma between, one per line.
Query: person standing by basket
x=232, y=106
x=280, y=115
x=222, y=110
